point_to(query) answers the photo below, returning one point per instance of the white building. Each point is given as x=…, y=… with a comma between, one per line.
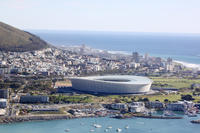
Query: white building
x=2, y=112
x=115, y=84
x=137, y=107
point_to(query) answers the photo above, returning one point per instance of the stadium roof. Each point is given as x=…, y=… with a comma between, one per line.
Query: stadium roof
x=125, y=79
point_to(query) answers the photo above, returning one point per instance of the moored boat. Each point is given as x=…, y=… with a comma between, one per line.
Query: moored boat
x=119, y=130
x=67, y=130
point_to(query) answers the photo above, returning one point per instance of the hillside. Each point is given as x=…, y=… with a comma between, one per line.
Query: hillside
x=15, y=40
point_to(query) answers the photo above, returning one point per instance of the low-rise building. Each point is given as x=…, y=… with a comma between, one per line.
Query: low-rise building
x=137, y=107
x=156, y=105
x=189, y=104
x=178, y=106
x=34, y=99
x=119, y=106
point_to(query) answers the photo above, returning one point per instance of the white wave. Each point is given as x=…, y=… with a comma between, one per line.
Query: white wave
x=189, y=65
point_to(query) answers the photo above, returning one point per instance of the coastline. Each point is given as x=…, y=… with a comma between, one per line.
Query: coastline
x=189, y=65
x=129, y=53
x=48, y=117
x=184, y=63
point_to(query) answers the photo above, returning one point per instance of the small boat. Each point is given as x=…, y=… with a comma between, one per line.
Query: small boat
x=97, y=126
x=109, y=127
x=67, y=130
x=119, y=130
x=91, y=130
x=106, y=130
x=126, y=127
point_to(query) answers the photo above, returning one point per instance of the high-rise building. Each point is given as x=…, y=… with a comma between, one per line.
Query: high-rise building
x=135, y=57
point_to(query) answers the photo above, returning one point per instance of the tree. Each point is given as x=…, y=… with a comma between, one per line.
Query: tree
x=146, y=100
x=187, y=97
x=117, y=100
x=133, y=99
x=197, y=89
x=166, y=100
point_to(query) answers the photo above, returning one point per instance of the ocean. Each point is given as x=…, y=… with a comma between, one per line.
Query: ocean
x=84, y=125
x=180, y=47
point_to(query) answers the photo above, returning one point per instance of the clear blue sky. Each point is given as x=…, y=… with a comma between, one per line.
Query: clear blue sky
x=108, y=15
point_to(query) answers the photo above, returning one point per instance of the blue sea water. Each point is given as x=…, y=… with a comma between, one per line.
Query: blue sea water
x=136, y=125
x=182, y=47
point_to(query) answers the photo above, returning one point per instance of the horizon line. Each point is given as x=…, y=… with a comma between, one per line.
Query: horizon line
x=112, y=31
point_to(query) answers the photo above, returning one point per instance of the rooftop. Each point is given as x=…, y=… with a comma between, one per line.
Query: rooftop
x=126, y=79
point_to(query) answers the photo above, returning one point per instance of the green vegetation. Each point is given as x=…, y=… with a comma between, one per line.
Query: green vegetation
x=48, y=112
x=173, y=82
x=126, y=98
x=39, y=86
x=12, y=39
x=71, y=99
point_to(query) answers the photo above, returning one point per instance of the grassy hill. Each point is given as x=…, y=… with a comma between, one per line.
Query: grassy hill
x=15, y=40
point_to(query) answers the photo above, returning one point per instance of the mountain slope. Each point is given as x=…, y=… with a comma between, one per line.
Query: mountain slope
x=15, y=40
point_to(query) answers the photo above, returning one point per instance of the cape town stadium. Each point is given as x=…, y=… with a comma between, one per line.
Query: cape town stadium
x=115, y=84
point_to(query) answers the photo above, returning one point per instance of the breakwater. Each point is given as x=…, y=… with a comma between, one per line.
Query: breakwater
x=12, y=119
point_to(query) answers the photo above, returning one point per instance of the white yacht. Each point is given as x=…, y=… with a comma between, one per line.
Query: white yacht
x=97, y=126
x=126, y=127
x=119, y=130
x=109, y=127
x=91, y=130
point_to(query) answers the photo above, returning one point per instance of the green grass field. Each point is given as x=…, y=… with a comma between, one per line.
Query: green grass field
x=173, y=82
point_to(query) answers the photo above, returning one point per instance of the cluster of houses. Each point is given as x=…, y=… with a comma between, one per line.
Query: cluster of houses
x=53, y=61
x=3, y=101
x=140, y=107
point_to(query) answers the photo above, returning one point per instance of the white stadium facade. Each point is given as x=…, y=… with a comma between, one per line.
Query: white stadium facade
x=115, y=84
